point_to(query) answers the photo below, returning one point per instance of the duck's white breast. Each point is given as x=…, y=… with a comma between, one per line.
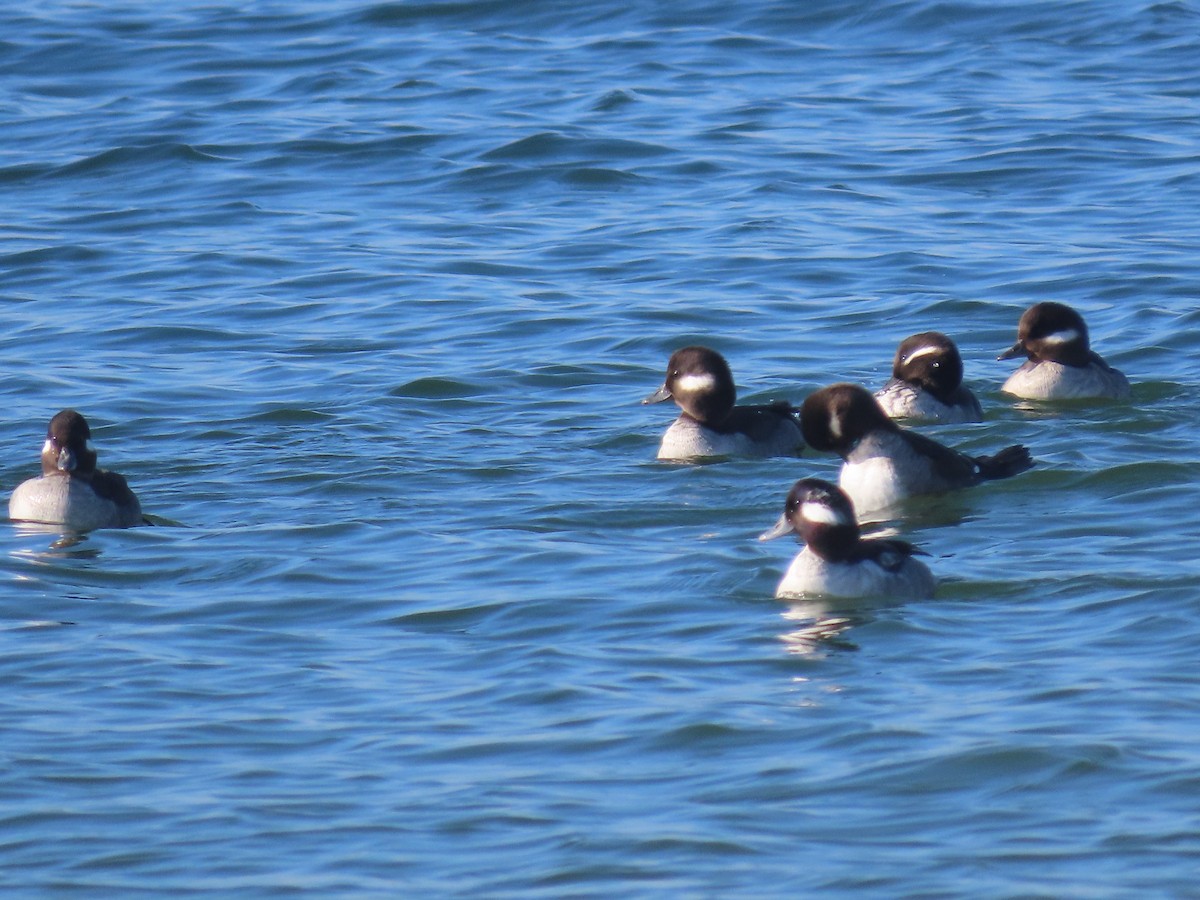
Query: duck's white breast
x=688, y=439
x=871, y=483
x=1045, y=380
x=904, y=401
x=810, y=575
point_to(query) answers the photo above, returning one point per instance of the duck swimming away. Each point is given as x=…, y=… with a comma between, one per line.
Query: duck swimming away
x=71, y=491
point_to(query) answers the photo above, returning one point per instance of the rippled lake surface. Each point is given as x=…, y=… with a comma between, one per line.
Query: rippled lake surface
x=362, y=298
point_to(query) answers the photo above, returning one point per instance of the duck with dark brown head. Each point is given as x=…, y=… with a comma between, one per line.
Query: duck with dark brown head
x=1060, y=363
x=711, y=423
x=71, y=491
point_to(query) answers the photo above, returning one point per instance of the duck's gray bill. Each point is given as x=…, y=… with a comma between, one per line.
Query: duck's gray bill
x=1017, y=349
x=658, y=396
x=779, y=529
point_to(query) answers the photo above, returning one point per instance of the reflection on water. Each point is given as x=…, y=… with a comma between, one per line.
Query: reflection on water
x=817, y=635
x=64, y=544
x=822, y=623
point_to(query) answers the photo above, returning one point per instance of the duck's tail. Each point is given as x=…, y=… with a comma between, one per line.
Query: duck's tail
x=1008, y=462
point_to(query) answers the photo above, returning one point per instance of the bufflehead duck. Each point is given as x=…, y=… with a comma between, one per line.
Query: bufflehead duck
x=1061, y=364
x=926, y=382
x=699, y=381
x=836, y=561
x=885, y=463
x=71, y=491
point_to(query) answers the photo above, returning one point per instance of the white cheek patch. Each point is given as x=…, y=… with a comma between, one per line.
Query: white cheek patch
x=835, y=426
x=48, y=447
x=695, y=384
x=819, y=512
x=1062, y=337
x=924, y=351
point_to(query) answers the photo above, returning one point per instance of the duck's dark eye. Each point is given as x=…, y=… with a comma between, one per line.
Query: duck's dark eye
x=936, y=365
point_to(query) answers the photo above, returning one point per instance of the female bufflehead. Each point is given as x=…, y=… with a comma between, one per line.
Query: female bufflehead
x=71, y=491
x=699, y=381
x=926, y=382
x=885, y=463
x=836, y=561
x=1061, y=364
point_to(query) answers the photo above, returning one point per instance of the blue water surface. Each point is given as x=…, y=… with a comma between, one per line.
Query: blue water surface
x=362, y=298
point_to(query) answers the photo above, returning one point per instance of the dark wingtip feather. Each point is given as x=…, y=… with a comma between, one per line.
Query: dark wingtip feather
x=1008, y=462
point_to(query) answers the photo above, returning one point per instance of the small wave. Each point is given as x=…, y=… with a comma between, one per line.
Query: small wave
x=553, y=145
x=436, y=388
x=117, y=159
